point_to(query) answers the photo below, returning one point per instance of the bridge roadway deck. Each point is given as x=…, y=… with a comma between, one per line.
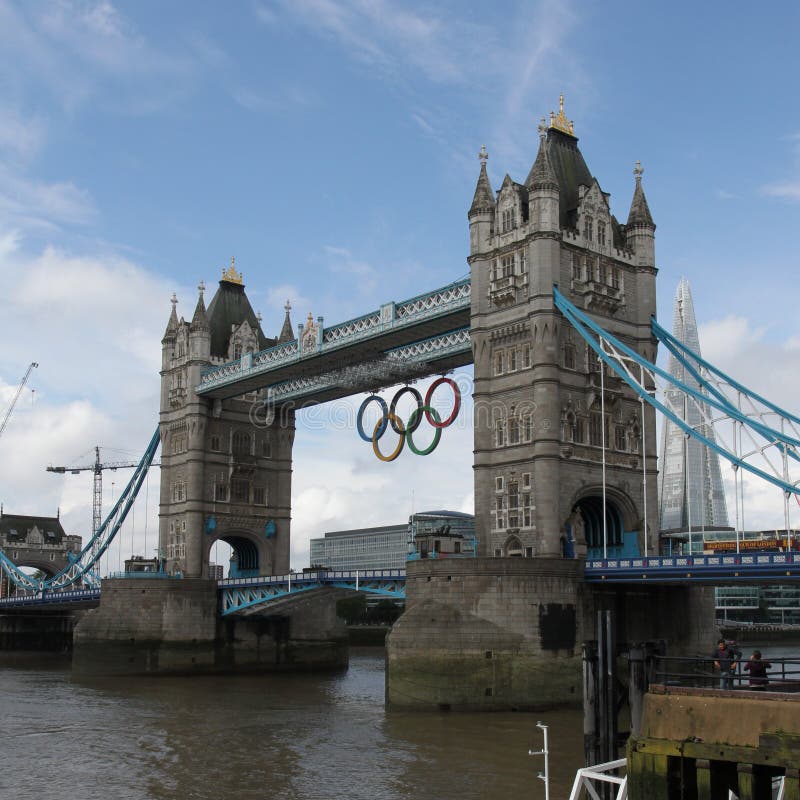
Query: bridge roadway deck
x=239, y=594
x=374, y=341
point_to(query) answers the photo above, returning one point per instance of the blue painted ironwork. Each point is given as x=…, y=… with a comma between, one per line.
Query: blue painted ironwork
x=390, y=317
x=82, y=566
x=710, y=569
x=614, y=354
x=239, y=594
x=48, y=598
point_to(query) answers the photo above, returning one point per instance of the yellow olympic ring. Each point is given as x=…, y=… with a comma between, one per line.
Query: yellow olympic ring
x=402, y=440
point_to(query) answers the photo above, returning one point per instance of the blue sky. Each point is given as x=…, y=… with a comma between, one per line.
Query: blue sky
x=331, y=147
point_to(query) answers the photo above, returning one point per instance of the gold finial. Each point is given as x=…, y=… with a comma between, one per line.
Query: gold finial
x=231, y=275
x=560, y=122
x=638, y=171
x=483, y=156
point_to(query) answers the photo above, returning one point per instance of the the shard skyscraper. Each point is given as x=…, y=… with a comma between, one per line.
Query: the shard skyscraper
x=689, y=481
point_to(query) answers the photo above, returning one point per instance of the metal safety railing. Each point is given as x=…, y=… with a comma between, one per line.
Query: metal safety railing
x=591, y=779
x=780, y=674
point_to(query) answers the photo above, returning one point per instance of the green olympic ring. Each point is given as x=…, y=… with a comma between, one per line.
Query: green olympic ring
x=416, y=414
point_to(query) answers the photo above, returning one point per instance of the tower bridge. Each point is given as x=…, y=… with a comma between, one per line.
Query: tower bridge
x=556, y=317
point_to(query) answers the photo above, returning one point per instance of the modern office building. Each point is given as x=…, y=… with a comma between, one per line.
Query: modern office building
x=388, y=546
x=690, y=491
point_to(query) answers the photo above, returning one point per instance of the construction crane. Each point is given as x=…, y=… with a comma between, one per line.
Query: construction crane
x=32, y=366
x=97, y=496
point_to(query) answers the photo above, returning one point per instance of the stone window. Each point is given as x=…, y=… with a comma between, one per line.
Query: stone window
x=215, y=443
x=601, y=233
x=241, y=443
x=596, y=432
x=240, y=490
x=527, y=427
x=603, y=273
x=615, y=278
x=513, y=496
x=266, y=448
x=588, y=226
x=580, y=430
x=498, y=483
x=498, y=363
x=508, y=266
x=221, y=489
x=178, y=491
x=513, y=430
x=259, y=496
x=237, y=350
x=512, y=360
x=619, y=437
x=569, y=356
x=526, y=480
x=577, y=269
x=528, y=552
x=526, y=356
x=500, y=433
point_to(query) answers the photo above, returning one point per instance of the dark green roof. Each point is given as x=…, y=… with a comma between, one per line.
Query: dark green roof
x=571, y=172
x=229, y=307
x=15, y=527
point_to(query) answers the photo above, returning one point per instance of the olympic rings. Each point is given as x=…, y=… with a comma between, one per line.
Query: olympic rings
x=406, y=431
x=416, y=417
x=411, y=426
x=456, y=402
x=401, y=441
x=384, y=421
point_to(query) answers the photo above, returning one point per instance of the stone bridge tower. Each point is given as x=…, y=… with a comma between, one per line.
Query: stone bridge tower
x=540, y=426
x=225, y=473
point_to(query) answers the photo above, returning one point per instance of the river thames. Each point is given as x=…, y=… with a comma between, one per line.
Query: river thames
x=292, y=737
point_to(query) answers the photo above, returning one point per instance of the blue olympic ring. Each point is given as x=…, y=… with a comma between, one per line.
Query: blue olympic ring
x=380, y=429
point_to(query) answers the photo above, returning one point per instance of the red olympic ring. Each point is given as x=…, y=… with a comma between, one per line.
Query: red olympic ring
x=456, y=402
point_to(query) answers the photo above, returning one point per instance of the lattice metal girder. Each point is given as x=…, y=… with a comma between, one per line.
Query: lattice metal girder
x=395, y=325
x=631, y=367
x=403, y=364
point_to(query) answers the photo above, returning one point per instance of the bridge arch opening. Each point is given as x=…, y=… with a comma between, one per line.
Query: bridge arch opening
x=617, y=538
x=248, y=557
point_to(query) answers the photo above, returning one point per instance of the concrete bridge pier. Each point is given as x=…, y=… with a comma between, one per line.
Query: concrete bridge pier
x=507, y=633
x=173, y=626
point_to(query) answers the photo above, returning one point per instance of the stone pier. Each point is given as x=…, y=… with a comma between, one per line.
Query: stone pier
x=173, y=626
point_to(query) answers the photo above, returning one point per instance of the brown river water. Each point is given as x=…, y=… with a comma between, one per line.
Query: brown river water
x=292, y=737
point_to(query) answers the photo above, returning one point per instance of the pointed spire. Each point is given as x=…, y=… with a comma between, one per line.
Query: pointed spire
x=542, y=174
x=287, y=334
x=484, y=196
x=200, y=319
x=640, y=211
x=172, y=325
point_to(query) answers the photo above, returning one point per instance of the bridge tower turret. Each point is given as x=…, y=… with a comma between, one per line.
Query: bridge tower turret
x=225, y=467
x=543, y=429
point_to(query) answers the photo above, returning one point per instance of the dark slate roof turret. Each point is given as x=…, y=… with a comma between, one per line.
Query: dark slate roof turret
x=286, y=334
x=484, y=196
x=542, y=175
x=640, y=211
x=172, y=326
x=200, y=318
x=230, y=307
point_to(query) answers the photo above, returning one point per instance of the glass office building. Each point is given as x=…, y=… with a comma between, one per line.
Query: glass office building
x=690, y=488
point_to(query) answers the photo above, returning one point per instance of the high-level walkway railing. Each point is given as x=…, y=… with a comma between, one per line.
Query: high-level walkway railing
x=782, y=674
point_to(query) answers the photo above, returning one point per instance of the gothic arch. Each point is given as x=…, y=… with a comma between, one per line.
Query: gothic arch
x=251, y=550
x=621, y=515
x=512, y=547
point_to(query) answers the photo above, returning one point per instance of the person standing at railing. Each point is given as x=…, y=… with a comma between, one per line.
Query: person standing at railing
x=758, y=671
x=726, y=657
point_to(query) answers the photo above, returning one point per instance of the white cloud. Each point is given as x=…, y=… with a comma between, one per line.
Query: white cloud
x=789, y=190
x=93, y=323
